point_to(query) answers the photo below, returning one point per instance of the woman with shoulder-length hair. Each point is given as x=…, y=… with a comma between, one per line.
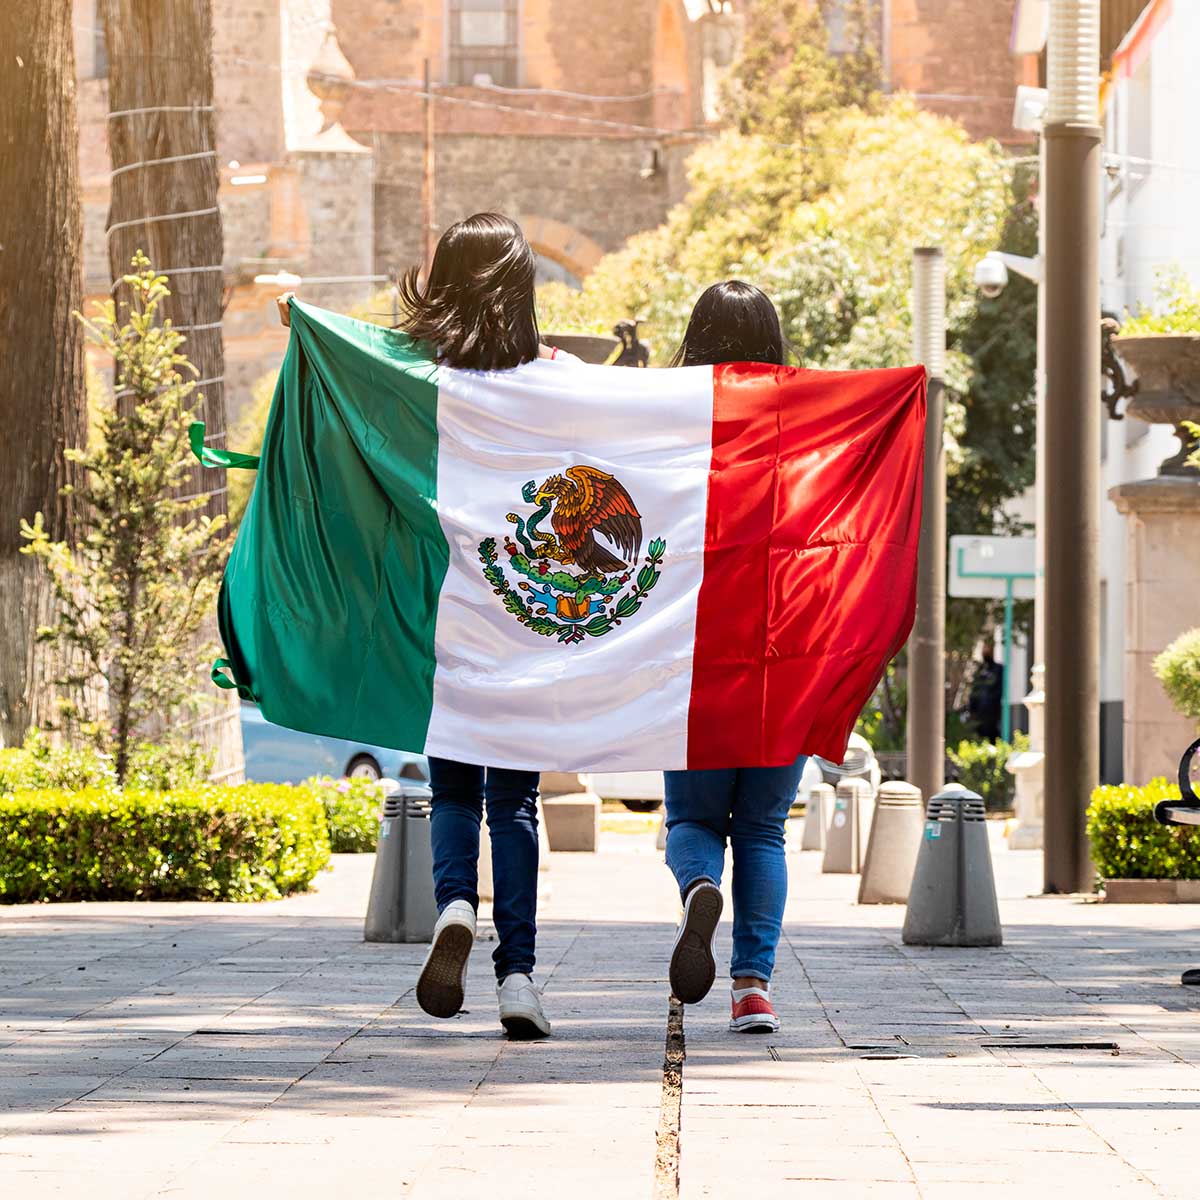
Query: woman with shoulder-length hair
x=747, y=807
x=476, y=312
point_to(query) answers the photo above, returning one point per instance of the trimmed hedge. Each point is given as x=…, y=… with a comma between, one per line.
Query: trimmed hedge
x=981, y=766
x=210, y=842
x=1127, y=843
x=352, y=810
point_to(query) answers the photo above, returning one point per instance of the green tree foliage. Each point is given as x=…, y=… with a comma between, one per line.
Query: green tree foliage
x=1176, y=307
x=1178, y=669
x=826, y=229
x=786, y=79
x=136, y=583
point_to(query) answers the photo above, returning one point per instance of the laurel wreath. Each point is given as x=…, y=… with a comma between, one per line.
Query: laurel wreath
x=569, y=633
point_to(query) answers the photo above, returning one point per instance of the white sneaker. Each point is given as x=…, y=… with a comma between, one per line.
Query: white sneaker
x=521, y=1008
x=444, y=972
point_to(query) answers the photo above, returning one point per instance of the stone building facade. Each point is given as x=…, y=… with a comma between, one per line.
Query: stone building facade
x=953, y=55
x=574, y=116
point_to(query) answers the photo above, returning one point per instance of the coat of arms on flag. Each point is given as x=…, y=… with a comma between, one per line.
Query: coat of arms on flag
x=552, y=600
x=720, y=559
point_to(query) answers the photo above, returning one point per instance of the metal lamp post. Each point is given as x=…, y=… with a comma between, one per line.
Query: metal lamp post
x=1071, y=214
x=926, y=736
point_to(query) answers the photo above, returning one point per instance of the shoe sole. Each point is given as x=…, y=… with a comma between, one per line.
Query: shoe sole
x=440, y=986
x=523, y=1029
x=693, y=968
x=753, y=1025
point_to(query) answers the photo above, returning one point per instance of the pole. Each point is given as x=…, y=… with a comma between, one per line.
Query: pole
x=428, y=195
x=1006, y=715
x=926, y=734
x=1072, y=293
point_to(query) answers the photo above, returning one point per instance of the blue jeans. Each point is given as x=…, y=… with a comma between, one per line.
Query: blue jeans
x=460, y=791
x=749, y=807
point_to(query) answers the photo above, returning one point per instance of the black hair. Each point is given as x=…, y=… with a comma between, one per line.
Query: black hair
x=476, y=309
x=732, y=322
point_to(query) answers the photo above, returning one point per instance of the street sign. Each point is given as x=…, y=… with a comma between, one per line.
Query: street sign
x=995, y=568
x=983, y=566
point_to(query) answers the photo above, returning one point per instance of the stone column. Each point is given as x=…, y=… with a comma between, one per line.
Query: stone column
x=1162, y=583
x=1029, y=768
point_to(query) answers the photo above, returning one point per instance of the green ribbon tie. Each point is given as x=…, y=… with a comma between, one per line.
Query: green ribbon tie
x=227, y=682
x=218, y=458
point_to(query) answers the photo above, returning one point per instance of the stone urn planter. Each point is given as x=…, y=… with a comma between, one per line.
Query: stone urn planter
x=1167, y=366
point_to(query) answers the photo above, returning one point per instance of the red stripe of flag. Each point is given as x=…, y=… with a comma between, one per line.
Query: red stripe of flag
x=810, y=557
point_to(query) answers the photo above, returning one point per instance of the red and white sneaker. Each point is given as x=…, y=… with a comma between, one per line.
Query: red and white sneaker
x=752, y=1011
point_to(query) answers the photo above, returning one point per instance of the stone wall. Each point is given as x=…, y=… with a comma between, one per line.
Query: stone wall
x=592, y=185
x=1162, y=520
x=246, y=80
x=954, y=55
x=647, y=51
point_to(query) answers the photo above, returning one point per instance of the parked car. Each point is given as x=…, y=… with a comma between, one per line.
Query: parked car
x=639, y=791
x=278, y=755
x=642, y=791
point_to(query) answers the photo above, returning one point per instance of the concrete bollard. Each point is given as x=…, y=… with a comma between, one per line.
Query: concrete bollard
x=952, y=901
x=401, y=907
x=572, y=822
x=487, y=889
x=848, y=828
x=893, y=845
x=817, y=816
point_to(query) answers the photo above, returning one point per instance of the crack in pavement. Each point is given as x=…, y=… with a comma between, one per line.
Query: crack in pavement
x=666, y=1158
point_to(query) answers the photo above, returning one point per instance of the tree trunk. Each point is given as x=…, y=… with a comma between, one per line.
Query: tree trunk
x=42, y=396
x=160, y=58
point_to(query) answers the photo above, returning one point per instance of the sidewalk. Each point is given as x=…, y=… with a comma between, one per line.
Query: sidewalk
x=233, y=1051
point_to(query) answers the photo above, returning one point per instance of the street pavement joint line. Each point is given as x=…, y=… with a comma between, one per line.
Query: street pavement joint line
x=1078, y=1115
x=274, y=1100
x=450, y=1131
x=812, y=987
x=1092, y=1006
x=890, y=1131
x=666, y=1158
x=144, y=990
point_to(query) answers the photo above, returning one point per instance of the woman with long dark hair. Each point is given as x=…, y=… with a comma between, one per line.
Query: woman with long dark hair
x=746, y=807
x=476, y=312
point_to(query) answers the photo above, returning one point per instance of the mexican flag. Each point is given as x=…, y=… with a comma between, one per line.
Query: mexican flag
x=572, y=567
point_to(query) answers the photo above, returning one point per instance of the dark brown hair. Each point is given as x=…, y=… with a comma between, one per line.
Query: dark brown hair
x=732, y=322
x=476, y=308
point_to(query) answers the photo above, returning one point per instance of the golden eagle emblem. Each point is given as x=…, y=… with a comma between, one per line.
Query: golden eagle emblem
x=582, y=504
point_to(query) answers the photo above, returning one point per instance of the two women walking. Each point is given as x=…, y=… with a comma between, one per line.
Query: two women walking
x=475, y=311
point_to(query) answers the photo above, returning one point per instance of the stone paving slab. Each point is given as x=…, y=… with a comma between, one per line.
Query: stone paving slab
x=151, y=1051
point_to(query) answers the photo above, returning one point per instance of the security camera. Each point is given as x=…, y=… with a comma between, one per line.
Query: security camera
x=991, y=275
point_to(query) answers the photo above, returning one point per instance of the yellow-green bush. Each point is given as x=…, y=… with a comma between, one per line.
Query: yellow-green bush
x=209, y=842
x=1127, y=843
x=352, y=811
x=1178, y=669
x=982, y=767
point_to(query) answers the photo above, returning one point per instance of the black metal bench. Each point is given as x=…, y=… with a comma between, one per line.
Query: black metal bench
x=1184, y=811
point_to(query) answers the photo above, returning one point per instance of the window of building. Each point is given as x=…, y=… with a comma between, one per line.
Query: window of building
x=483, y=41
x=843, y=21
